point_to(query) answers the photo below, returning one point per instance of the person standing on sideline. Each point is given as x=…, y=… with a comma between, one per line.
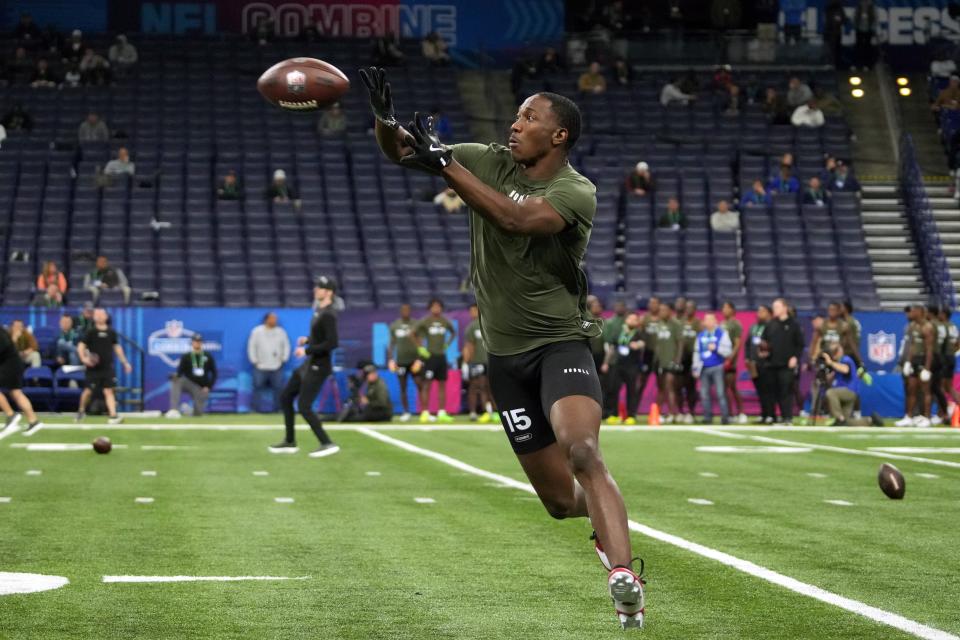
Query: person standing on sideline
x=268, y=349
x=97, y=348
x=402, y=357
x=11, y=381
x=784, y=341
x=475, y=368
x=686, y=382
x=734, y=330
x=438, y=331
x=711, y=350
x=307, y=381
x=622, y=365
x=754, y=357
x=916, y=363
x=197, y=374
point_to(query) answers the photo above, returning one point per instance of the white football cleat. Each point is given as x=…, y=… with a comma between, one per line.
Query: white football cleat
x=922, y=421
x=405, y=417
x=936, y=420
x=905, y=421
x=742, y=418
x=626, y=589
x=173, y=414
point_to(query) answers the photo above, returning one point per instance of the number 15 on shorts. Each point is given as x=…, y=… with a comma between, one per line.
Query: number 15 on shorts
x=517, y=420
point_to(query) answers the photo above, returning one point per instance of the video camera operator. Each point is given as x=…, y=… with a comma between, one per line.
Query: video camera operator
x=369, y=398
x=840, y=371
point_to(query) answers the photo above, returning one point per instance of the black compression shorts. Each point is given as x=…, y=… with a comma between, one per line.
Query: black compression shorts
x=527, y=385
x=100, y=379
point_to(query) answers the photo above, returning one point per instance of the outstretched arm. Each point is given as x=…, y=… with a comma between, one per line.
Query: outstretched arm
x=390, y=135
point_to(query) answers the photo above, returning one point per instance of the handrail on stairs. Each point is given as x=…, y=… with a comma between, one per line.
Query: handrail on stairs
x=923, y=226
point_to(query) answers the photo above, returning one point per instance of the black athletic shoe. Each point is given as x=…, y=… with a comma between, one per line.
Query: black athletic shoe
x=32, y=428
x=325, y=450
x=284, y=447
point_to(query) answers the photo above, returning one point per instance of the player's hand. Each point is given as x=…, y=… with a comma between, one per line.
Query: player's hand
x=925, y=375
x=604, y=368
x=300, y=352
x=127, y=367
x=381, y=100
x=792, y=363
x=428, y=154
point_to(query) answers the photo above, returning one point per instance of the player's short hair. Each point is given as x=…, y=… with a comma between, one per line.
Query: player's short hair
x=568, y=115
x=848, y=306
x=434, y=301
x=729, y=302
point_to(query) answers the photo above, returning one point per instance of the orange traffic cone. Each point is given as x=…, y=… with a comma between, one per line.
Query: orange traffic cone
x=955, y=418
x=654, y=417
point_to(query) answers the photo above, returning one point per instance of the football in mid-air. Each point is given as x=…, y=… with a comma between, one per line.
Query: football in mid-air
x=102, y=445
x=891, y=481
x=303, y=84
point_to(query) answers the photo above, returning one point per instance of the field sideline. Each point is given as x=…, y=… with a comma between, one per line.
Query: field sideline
x=425, y=531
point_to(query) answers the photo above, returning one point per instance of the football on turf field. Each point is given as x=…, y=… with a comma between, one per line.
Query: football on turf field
x=303, y=84
x=102, y=445
x=891, y=481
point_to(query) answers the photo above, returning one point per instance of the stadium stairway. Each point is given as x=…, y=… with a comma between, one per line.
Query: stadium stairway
x=944, y=208
x=896, y=270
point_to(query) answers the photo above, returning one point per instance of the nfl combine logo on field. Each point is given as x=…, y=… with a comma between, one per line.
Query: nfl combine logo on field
x=881, y=347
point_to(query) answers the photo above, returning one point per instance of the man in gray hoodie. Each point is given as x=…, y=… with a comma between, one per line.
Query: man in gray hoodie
x=268, y=349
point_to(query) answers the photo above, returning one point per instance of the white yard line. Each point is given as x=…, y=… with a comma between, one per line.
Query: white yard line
x=854, y=606
x=153, y=579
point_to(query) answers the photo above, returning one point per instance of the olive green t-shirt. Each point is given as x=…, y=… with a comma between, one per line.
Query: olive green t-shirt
x=691, y=327
x=668, y=333
x=436, y=331
x=401, y=332
x=474, y=336
x=611, y=329
x=378, y=397
x=530, y=289
x=734, y=329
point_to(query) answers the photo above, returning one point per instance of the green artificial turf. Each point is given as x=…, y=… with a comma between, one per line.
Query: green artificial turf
x=483, y=561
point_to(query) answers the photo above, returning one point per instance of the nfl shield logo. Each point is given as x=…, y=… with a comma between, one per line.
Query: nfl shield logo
x=882, y=347
x=296, y=82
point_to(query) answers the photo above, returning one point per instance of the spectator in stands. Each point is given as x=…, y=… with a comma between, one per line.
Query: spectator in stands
x=196, y=373
x=776, y=108
x=104, y=276
x=66, y=347
x=17, y=119
x=230, y=188
x=386, y=51
x=784, y=181
x=51, y=298
x=798, y=93
x=121, y=165
x=449, y=200
x=592, y=81
x=19, y=69
x=26, y=344
x=94, y=68
x=51, y=275
x=43, y=76
x=93, y=129
x=730, y=102
x=622, y=73
x=268, y=349
x=948, y=95
x=434, y=49
x=333, y=122
x=827, y=102
x=73, y=77
x=722, y=78
x=27, y=33
x=758, y=196
x=865, y=24
x=723, y=219
x=673, y=218
x=834, y=22
x=841, y=180
x=640, y=182
x=673, y=94
x=814, y=193
x=550, y=62
x=122, y=54
x=441, y=124
x=74, y=48
x=808, y=115
x=280, y=190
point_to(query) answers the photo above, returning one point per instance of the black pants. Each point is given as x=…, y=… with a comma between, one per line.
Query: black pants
x=305, y=385
x=622, y=375
x=762, y=384
x=782, y=379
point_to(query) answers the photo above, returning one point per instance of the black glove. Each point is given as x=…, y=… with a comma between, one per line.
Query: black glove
x=428, y=154
x=381, y=101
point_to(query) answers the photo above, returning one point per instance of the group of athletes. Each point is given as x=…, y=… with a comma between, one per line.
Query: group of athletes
x=928, y=359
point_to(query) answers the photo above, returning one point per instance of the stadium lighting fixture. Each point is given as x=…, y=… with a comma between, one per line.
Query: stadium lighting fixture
x=857, y=93
x=856, y=80
x=905, y=91
x=901, y=81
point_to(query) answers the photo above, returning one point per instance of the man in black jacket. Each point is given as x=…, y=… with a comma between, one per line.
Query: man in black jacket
x=197, y=373
x=782, y=340
x=307, y=381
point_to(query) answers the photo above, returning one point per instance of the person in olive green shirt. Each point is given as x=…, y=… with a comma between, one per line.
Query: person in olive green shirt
x=622, y=365
x=650, y=326
x=734, y=329
x=686, y=383
x=439, y=334
x=375, y=405
x=669, y=348
x=531, y=215
x=402, y=356
x=475, y=369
